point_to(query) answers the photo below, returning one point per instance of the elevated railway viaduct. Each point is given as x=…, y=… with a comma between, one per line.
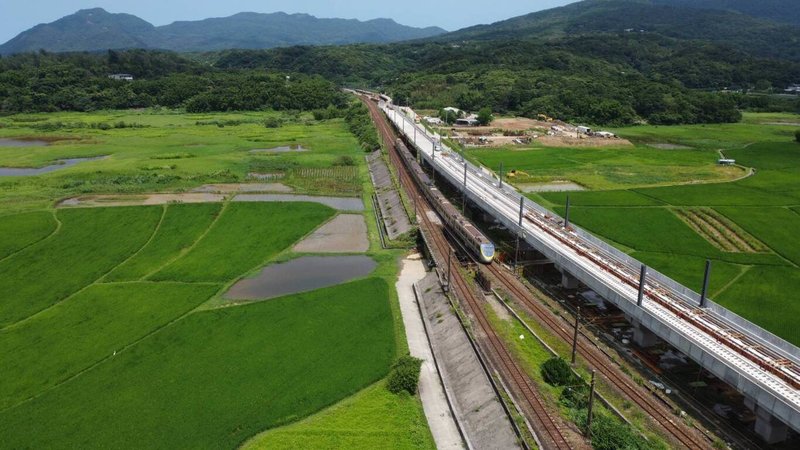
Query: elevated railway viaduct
x=763, y=367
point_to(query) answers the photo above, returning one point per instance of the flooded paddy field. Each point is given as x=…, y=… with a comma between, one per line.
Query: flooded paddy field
x=5, y=142
x=32, y=171
x=282, y=149
x=347, y=233
x=303, y=274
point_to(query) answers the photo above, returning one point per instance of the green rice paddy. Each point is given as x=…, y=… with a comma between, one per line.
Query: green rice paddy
x=641, y=217
x=113, y=333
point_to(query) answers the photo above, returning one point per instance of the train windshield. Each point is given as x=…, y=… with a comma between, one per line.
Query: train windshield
x=487, y=250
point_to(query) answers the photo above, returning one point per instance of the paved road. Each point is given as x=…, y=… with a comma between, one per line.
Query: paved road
x=440, y=419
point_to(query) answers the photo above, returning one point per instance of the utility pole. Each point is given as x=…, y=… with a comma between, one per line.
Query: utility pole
x=464, y=191
x=590, y=414
x=501, y=175
x=566, y=215
x=449, y=268
x=703, y=298
x=519, y=232
x=642, y=276
x=575, y=335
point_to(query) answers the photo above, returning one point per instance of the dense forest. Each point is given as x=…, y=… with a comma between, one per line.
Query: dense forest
x=616, y=79
x=43, y=82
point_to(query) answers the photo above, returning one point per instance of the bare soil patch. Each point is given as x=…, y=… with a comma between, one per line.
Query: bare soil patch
x=664, y=146
x=555, y=186
x=243, y=188
x=90, y=201
x=346, y=233
x=566, y=141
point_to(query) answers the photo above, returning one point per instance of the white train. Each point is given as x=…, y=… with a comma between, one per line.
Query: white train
x=471, y=237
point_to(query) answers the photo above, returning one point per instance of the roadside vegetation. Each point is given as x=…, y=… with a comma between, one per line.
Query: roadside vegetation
x=371, y=419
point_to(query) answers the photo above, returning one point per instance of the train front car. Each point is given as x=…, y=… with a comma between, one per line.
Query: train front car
x=487, y=252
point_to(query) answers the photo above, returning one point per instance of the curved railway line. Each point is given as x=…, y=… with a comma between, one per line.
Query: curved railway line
x=549, y=429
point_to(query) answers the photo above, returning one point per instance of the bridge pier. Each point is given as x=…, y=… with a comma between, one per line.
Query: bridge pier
x=643, y=337
x=568, y=281
x=770, y=429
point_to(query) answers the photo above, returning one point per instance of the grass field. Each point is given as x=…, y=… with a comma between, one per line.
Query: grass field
x=75, y=335
x=87, y=246
x=217, y=377
x=182, y=226
x=170, y=151
x=373, y=418
x=761, y=208
x=241, y=240
x=21, y=230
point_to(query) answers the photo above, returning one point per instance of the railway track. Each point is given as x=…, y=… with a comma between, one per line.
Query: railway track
x=679, y=432
x=549, y=429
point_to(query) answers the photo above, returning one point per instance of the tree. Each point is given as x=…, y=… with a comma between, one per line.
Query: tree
x=797, y=135
x=485, y=116
x=404, y=375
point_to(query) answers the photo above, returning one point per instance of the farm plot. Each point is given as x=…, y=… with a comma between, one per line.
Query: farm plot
x=181, y=227
x=366, y=421
x=720, y=231
x=21, y=230
x=217, y=377
x=777, y=227
x=245, y=236
x=645, y=229
x=93, y=325
x=766, y=295
x=89, y=244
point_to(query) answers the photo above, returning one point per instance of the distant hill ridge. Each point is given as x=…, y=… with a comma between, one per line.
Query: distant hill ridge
x=736, y=23
x=97, y=29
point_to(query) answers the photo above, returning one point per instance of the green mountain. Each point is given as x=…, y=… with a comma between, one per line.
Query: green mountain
x=97, y=29
x=87, y=29
x=669, y=18
x=787, y=11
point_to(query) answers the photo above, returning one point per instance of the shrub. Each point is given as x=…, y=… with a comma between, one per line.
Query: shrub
x=557, y=372
x=344, y=161
x=272, y=122
x=797, y=135
x=404, y=375
x=576, y=397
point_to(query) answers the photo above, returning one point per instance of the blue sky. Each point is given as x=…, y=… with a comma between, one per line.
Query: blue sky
x=19, y=15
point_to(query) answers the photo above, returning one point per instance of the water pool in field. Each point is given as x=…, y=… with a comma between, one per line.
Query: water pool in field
x=31, y=171
x=4, y=142
x=284, y=149
x=303, y=274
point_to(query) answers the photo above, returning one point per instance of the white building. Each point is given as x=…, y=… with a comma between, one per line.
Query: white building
x=121, y=76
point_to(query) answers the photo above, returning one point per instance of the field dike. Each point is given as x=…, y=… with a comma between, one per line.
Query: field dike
x=721, y=231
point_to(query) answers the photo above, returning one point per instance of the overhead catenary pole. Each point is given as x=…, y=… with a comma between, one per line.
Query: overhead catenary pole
x=501, y=175
x=449, y=268
x=575, y=334
x=642, y=276
x=566, y=214
x=589, y=413
x=464, y=191
x=703, y=298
